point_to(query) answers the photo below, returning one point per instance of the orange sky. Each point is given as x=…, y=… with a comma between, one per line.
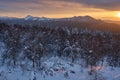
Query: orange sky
x=60, y=8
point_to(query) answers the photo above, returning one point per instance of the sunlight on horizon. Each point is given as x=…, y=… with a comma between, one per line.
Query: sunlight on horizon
x=104, y=15
x=118, y=14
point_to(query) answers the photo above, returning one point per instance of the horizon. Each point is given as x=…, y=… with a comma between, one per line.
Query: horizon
x=60, y=17
x=101, y=18
x=105, y=10
x=46, y=16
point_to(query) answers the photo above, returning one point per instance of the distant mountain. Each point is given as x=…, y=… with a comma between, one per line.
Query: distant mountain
x=75, y=18
x=74, y=22
x=29, y=17
x=80, y=19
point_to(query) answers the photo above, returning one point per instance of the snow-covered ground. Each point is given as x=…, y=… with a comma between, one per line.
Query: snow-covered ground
x=60, y=69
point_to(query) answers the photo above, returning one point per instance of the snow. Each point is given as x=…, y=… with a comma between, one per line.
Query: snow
x=28, y=17
x=60, y=68
x=2, y=48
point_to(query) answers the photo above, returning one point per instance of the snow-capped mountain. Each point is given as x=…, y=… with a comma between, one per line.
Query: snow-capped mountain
x=76, y=21
x=75, y=18
x=32, y=18
x=83, y=18
x=29, y=17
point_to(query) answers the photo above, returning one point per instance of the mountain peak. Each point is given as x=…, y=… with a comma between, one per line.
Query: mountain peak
x=83, y=18
x=28, y=17
x=75, y=18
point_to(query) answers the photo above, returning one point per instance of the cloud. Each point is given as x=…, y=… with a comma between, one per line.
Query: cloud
x=18, y=0
x=41, y=6
x=103, y=4
x=57, y=7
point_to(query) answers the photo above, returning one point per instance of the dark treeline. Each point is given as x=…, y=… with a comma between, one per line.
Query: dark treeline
x=31, y=43
x=92, y=25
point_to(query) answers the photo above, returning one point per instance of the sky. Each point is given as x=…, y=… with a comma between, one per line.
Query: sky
x=101, y=9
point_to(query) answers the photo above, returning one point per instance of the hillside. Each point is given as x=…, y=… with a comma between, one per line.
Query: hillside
x=46, y=52
x=80, y=22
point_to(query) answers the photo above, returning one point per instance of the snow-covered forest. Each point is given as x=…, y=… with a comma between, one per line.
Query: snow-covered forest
x=46, y=53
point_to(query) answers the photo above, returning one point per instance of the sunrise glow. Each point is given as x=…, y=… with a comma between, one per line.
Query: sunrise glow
x=60, y=9
x=118, y=14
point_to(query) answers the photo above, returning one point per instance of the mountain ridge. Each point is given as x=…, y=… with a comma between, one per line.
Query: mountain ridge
x=80, y=22
x=74, y=18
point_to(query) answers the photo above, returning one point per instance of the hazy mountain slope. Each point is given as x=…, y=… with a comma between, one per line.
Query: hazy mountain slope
x=80, y=22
